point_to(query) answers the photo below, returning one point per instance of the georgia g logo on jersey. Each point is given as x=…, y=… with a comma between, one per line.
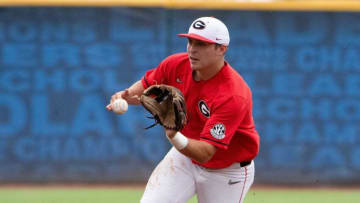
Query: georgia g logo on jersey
x=218, y=131
x=204, y=109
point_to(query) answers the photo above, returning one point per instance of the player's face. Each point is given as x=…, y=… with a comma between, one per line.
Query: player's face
x=202, y=54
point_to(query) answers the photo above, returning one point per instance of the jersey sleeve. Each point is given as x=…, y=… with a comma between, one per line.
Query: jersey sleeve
x=224, y=121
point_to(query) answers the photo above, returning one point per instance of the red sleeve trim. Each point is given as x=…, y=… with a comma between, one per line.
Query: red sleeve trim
x=145, y=83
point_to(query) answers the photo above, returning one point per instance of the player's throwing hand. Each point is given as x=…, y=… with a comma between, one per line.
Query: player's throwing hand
x=125, y=94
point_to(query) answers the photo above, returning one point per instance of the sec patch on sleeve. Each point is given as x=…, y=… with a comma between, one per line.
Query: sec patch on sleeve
x=218, y=131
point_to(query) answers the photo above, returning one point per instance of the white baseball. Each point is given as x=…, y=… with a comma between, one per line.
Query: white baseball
x=119, y=106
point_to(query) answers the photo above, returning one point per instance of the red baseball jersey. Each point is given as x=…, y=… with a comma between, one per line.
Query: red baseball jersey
x=219, y=110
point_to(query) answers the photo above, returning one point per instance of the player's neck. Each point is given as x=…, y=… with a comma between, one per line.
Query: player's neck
x=207, y=73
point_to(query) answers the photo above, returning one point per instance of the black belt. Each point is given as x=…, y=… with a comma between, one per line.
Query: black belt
x=245, y=163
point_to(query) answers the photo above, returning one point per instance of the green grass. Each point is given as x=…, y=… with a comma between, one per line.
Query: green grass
x=103, y=195
x=303, y=196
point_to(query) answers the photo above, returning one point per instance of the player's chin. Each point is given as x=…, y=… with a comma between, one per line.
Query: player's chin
x=195, y=66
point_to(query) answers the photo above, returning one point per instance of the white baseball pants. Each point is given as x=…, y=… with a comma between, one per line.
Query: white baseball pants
x=176, y=179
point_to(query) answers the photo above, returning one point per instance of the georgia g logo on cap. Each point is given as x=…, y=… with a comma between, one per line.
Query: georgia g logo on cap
x=199, y=25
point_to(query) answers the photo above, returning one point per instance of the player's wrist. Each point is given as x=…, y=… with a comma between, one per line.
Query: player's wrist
x=170, y=133
x=179, y=141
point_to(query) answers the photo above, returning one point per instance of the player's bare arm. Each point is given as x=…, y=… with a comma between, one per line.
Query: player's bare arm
x=131, y=95
x=197, y=150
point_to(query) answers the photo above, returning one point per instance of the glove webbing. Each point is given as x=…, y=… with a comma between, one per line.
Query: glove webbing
x=156, y=118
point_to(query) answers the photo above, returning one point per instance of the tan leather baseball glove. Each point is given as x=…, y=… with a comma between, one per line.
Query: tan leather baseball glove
x=166, y=104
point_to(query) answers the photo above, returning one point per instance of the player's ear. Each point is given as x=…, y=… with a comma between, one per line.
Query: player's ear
x=224, y=49
x=221, y=49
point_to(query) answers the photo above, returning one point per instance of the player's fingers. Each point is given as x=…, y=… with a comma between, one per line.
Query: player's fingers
x=135, y=97
x=126, y=93
x=115, y=96
x=109, y=107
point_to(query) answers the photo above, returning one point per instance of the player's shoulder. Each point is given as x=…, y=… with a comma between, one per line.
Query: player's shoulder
x=231, y=89
x=233, y=82
x=175, y=64
x=231, y=72
x=175, y=61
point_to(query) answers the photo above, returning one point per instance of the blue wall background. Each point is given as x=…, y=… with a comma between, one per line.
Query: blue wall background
x=59, y=67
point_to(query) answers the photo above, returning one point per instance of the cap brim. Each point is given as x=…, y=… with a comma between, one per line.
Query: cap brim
x=197, y=37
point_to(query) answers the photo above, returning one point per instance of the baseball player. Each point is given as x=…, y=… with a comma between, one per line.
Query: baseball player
x=212, y=156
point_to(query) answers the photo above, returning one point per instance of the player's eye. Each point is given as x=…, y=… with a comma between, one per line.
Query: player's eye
x=190, y=41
